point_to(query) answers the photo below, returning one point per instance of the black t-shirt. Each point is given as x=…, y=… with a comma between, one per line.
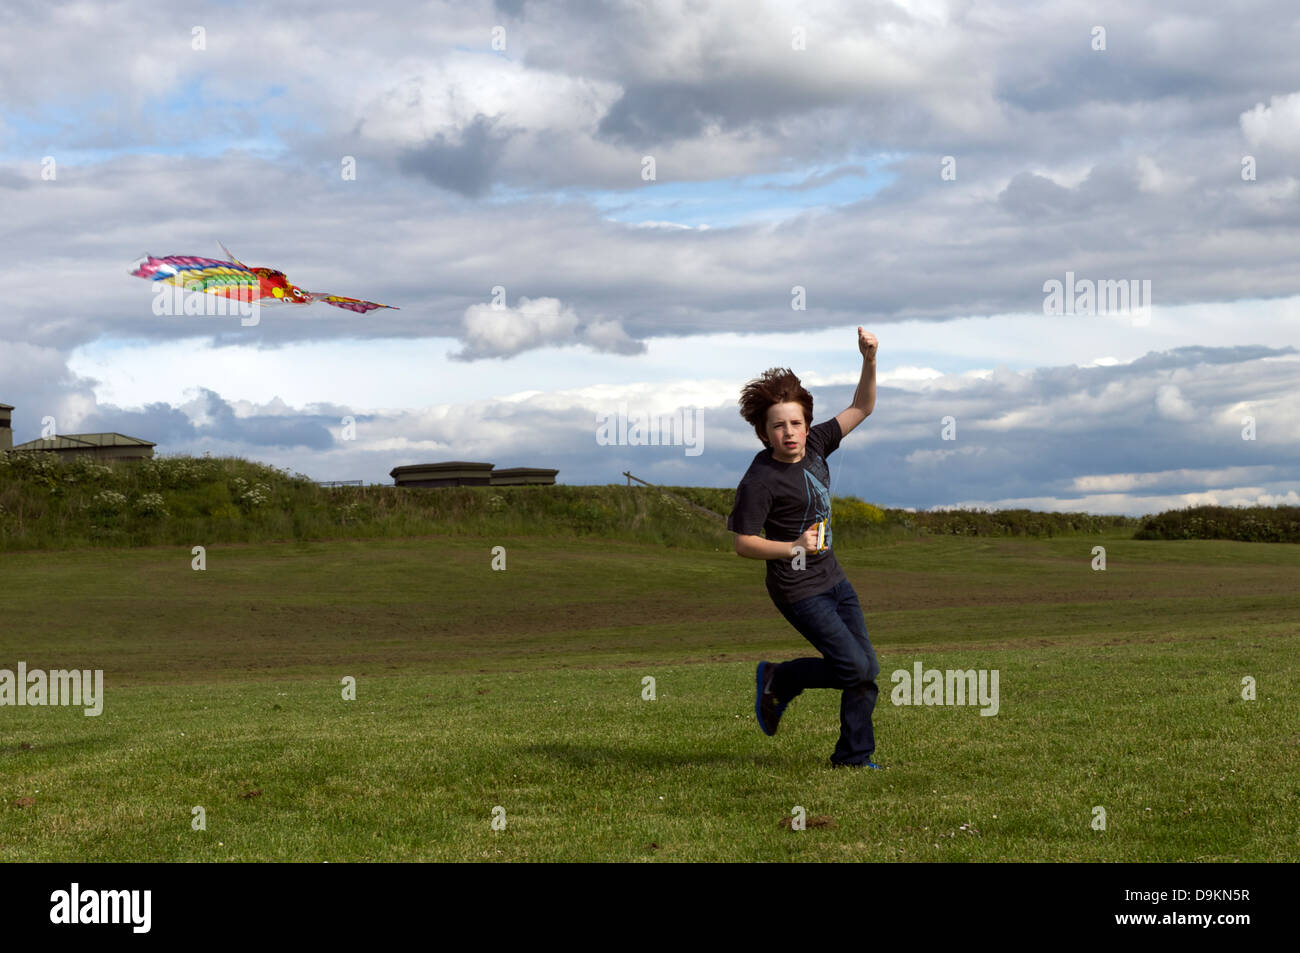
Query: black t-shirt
x=785, y=499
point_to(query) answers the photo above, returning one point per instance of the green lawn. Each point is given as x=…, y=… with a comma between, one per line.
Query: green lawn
x=522, y=690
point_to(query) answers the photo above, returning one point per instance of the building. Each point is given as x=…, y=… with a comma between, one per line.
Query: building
x=524, y=476
x=101, y=446
x=455, y=473
x=460, y=473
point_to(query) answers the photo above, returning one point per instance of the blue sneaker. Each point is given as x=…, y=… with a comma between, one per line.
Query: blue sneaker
x=766, y=706
x=862, y=764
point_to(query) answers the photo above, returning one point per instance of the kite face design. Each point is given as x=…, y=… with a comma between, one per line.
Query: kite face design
x=233, y=279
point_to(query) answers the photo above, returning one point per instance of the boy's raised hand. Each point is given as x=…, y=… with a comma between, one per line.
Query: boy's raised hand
x=867, y=344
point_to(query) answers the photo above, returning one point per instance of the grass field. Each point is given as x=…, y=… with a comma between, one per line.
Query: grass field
x=522, y=689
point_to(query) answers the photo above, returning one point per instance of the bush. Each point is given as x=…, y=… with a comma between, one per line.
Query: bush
x=176, y=473
x=86, y=471
x=851, y=512
x=258, y=494
x=1253, y=524
x=37, y=467
x=107, y=503
x=151, y=505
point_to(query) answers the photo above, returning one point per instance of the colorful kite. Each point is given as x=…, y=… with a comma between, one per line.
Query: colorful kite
x=233, y=279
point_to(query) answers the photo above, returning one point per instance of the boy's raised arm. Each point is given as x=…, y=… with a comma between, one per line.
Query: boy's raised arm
x=864, y=398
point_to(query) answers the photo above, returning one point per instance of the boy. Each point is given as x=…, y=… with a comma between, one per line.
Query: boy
x=787, y=492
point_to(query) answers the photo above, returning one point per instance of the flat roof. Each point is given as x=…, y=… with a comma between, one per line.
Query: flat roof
x=66, y=441
x=453, y=465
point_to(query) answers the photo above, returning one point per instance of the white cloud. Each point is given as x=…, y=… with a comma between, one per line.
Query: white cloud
x=1170, y=403
x=927, y=458
x=534, y=323
x=610, y=337
x=1124, y=482
x=1277, y=124
x=1131, y=505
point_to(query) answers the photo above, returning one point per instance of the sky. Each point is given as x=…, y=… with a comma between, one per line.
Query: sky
x=583, y=209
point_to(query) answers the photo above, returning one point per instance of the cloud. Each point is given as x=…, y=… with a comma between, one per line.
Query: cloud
x=1135, y=505
x=1276, y=125
x=465, y=166
x=934, y=457
x=210, y=418
x=1108, y=164
x=1126, y=482
x=1029, y=195
x=1169, y=401
x=534, y=323
x=12, y=180
x=610, y=337
x=1092, y=439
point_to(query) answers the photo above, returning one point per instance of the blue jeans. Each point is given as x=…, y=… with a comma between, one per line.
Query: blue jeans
x=832, y=621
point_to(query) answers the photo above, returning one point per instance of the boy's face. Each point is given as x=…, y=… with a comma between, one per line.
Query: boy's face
x=787, y=431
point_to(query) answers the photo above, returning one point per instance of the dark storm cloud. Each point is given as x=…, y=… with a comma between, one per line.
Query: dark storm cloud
x=1029, y=196
x=659, y=112
x=171, y=428
x=1128, y=438
x=12, y=180
x=1076, y=423
x=465, y=166
x=513, y=8
x=160, y=423
x=1193, y=355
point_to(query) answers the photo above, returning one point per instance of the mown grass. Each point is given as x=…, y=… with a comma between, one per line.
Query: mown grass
x=523, y=690
x=586, y=769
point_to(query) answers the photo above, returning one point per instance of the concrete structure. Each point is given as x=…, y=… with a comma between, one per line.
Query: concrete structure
x=6, y=427
x=101, y=446
x=455, y=473
x=524, y=476
x=460, y=473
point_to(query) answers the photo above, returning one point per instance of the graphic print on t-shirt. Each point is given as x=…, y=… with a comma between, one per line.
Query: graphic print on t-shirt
x=819, y=503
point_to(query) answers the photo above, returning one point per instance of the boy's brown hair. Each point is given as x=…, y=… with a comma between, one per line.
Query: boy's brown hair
x=778, y=385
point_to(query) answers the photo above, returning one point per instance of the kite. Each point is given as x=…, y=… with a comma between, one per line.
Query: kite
x=233, y=279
